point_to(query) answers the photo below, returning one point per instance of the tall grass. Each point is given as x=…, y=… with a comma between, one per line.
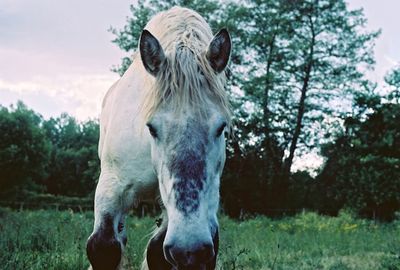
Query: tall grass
x=309, y=241
x=56, y=240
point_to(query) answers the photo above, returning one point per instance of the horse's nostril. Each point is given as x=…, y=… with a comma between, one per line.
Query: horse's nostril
x=205, y=253
x=168, y=254
x=198, y=255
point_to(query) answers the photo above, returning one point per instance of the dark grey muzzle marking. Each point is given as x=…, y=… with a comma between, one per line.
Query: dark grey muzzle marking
x=189, y=169
x=188, y=166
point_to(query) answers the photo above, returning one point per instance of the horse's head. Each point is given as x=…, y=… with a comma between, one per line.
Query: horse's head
x=187, y=123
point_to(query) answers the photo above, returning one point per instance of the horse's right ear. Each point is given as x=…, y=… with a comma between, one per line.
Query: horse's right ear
x=151, y=53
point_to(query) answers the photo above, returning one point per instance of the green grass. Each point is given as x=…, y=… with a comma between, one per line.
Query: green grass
x=56, y=240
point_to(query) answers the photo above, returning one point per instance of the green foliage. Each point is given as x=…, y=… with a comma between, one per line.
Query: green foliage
x=295, y=61
x=57, y=156
x=362, y=171
x=393, y=81
x=74, y=166
x=24, y=148
x=306, y=241
x=306, y=55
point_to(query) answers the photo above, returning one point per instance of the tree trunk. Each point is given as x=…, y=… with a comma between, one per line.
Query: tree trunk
x=269, y=151
x=300, y=113
x=267, y=88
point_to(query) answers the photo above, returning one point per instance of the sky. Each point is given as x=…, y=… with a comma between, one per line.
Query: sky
x=56, y=56
x=384, y=15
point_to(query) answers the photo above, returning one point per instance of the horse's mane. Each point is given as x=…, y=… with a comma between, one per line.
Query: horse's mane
x=186, y=77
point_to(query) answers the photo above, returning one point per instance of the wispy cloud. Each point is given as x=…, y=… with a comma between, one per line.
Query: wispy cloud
x=80, y=95
x=56, y=55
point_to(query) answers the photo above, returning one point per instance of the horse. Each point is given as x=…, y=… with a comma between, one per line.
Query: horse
x=162, y=135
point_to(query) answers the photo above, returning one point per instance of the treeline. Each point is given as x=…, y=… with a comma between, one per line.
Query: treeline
x=37, y=156
x=297, y=85
x=40, y=158
x=361, y=171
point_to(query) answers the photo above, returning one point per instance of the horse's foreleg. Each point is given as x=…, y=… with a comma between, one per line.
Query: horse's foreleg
x=106, y=244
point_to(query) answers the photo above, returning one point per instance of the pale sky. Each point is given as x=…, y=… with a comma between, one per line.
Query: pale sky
x=56, y=55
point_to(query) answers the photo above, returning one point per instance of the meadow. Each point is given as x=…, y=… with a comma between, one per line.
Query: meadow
x=49, y=239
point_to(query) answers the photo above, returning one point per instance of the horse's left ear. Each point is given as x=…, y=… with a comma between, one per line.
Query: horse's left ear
x=151, y=52
x=219, y=50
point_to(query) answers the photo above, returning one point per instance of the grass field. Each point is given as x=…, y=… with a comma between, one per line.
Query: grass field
x=56, y=240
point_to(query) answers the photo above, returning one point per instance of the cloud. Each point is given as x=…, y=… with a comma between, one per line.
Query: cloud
x=79, y=95
x=56, y=55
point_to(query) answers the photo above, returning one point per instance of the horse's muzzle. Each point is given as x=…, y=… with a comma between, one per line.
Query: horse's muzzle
x=201, y=255
x=196, y=257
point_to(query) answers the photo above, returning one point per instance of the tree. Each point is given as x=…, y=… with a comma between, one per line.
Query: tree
x=333, y=47
x=74, y=164
x=362, y=169
x=24, y=148
x=301, y=62
x=306, y=55
x=393, y=81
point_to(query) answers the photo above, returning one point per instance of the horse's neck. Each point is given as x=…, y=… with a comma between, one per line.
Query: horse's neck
x=125, y=99
x=135, y=83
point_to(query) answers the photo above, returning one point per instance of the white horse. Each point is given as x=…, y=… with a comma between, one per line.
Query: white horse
x=175, y=87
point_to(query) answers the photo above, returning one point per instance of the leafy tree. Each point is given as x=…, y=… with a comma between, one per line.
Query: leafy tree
x=74, y=165
x=300, y=62
x=24, y=148
x=362, y=169
x=58, y=155
x=307, y=56
x=393, y=81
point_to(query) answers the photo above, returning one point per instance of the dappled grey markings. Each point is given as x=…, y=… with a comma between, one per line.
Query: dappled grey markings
x=188, y=166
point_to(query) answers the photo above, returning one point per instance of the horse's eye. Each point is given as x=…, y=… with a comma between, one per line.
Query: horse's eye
x=152, y=130
x=221, y=129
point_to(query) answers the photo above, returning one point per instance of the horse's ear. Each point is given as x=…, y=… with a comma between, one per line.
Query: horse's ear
x=151, y=52
x=219, y=50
